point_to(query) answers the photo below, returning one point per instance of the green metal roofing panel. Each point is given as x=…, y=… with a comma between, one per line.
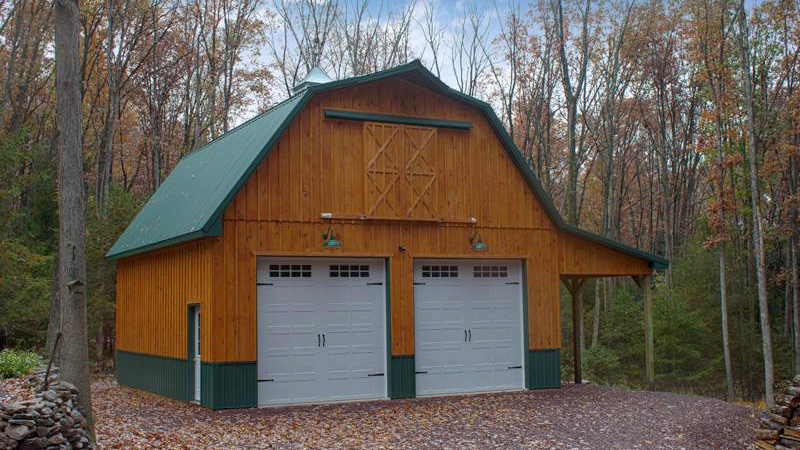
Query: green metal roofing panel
x=190, y=202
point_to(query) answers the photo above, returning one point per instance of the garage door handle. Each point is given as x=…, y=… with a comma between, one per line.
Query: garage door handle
x=323, y=339
x=470, y=335
x=319, y=340
x=514, y=367
x=465, y=335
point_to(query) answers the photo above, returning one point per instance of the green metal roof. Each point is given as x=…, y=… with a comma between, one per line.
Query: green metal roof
x=191, y=201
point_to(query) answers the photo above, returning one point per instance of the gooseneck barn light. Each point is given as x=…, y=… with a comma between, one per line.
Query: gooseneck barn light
x=330, y=239
x=477, y=242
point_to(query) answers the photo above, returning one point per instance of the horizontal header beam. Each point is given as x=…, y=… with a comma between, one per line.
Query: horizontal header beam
x=403, y=120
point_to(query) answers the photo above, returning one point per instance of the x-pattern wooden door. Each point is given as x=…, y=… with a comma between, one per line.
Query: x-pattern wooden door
x=400, y=174
x=384, y=153
x=419, y=172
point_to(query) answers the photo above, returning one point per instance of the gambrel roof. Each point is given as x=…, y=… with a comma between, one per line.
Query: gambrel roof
x=190, y=202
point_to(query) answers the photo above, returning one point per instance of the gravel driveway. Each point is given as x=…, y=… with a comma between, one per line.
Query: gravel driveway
x=573, y=417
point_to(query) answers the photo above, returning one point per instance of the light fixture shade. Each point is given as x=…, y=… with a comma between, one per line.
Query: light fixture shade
x=477, y=243
x=479, y=246
x=330, y=240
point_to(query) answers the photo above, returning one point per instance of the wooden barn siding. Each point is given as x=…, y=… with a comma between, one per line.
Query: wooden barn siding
x=579, y=256
x=153, y=291
x=235, y=315
x=318, y=166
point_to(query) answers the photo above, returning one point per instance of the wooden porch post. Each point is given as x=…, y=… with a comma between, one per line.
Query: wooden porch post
x=574, y=286
x=644, y=283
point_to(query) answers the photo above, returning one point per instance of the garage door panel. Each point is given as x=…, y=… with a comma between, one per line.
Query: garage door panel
x=482, y=298
x=299, y=302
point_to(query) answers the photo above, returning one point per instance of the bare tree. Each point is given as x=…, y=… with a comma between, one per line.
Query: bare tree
x=71, y=204
x=467, y=57
x=572, y=94
x=432, y=31
x=505, y=67
x=363, y=42
x=302, y=37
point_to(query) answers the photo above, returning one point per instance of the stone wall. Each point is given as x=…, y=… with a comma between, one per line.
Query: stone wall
x=50, y=420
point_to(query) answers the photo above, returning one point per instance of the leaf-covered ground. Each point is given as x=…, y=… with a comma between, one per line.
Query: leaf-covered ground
x=573, y=417
x=570, y=418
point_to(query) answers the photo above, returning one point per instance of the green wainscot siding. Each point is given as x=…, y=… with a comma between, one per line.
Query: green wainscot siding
x=544, y=369
x=403, y=380
x=157, y=374
x=229, y=385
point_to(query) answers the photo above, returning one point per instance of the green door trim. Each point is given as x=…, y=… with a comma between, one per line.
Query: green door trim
x=388, y=302
x=525, y=337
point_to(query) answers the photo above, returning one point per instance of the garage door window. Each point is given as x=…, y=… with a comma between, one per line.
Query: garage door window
x=490, y=272
x=290, y=271
x=349, y=271
x=439, y=271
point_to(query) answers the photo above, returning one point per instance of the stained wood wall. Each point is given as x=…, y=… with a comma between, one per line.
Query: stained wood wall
x=320, y=166
x=153, y=294
x=579, y=256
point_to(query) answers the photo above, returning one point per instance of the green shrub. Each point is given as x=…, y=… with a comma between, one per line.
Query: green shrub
x=17, y=363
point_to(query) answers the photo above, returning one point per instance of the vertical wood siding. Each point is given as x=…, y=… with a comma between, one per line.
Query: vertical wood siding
x=153, y=291
x=578, y=256
x=320, y=165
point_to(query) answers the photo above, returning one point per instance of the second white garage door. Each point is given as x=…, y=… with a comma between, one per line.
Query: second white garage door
x=321, y=330
x=468, y=320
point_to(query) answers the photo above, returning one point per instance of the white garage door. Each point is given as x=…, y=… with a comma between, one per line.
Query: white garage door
x=321, y=330
x=468, y=326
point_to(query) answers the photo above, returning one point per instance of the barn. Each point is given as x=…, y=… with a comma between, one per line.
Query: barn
x=374, y=237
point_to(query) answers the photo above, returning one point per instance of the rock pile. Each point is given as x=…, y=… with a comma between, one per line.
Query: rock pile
x=50, y=420
x=779, y=428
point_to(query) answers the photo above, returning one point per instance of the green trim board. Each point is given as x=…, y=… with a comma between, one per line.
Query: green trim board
x=229, y=385
x=194, y=196
x=404, y=378
x=157, y=374
x=525, y=339
x=388, y=316
x=403, y=120
x=545, y=368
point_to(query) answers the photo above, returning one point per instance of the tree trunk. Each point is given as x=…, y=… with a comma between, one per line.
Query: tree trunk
x=54, y=319
x=723, y=286
x=71, y=205
x=758, y=239
x=795, y=302
x=723, y=307
x=596, y=315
